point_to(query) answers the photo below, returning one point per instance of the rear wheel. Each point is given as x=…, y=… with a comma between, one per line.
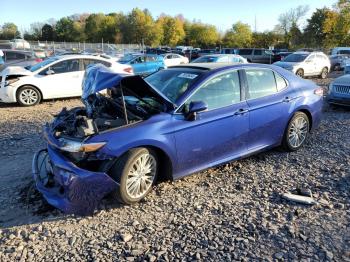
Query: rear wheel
x=28, y=96
x=296, y=132
x=135, y=171
x=324, y=73
x=300, y=72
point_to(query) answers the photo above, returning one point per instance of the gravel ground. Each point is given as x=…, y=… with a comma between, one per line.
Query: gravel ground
x=232, y=212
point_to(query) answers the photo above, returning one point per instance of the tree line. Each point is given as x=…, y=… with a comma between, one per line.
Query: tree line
x=325, y=28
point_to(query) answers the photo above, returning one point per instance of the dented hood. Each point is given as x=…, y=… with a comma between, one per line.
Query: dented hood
x=16, y=70
x=99, y=77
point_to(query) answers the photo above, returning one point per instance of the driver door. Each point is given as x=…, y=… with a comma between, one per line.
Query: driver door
x=218, y=134
x=62, y=79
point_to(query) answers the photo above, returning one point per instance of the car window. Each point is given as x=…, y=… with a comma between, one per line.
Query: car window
x=236, y=59
x=344, y=52
x=139, y=60
x=223, y=59
x=14, y=56
x=310, y=58
x=87, y=62
x=220, y=91
x=280, y=82
x=261, y=82
x=245, y=51
x=257, y=52
x=65, y=66
x=150, y=58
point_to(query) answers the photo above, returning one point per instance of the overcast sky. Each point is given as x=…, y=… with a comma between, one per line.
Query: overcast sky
x=219, y=12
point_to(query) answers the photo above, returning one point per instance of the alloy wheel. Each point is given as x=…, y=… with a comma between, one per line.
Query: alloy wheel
x=298, y=131
x=141, y=175
x=28, y=97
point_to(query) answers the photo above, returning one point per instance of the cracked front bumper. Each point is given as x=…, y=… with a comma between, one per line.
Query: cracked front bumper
x=66, y=186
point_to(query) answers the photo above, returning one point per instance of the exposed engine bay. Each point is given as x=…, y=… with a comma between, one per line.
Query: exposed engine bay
x=102, y=113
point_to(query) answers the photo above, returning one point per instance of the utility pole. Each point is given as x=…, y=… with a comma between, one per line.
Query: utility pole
x=255, y=24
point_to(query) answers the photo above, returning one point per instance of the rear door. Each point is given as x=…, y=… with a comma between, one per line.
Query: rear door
x=270, y=101
x=217, y=134
x=152, y=64
x=310, y=65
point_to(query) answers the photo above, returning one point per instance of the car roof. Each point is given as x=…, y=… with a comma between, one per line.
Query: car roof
x=205, y=66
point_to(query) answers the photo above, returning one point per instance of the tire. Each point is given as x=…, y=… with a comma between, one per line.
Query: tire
x=126, y=172
x=324, y=73
x=300, y=72
x=28, y=96
x=296, y=132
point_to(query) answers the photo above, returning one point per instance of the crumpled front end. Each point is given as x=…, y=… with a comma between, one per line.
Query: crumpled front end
x=67, y=186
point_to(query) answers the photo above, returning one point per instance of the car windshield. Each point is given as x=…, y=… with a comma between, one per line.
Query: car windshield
x=172, y=83
x=206, y=59
x=42, y=64
x=296, y=58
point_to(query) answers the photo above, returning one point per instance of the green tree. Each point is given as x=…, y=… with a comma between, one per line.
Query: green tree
x=266, y=39
x=9, y=31
x=67, y=30
x=201, y=35
x=314, y=34
x=240, y=35
x=47, y=32
x=139, y=26
x=173, y=30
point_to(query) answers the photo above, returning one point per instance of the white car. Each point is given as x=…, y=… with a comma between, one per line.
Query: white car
x=307, y=64
x=174, y=59
x=19, y=43
x=55, y=77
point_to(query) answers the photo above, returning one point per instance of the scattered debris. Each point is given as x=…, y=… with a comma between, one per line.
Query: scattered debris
x=300, y=198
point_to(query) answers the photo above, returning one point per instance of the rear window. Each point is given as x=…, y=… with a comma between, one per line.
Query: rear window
x=87, y=62
x=257, y=52
x=344, y=52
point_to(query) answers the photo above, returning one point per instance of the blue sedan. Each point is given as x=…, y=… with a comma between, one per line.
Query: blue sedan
x=144, y=64
x=175, y=122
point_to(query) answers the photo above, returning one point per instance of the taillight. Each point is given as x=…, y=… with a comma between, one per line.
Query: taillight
x=129, y=70
x=38, y=60
x=318, y=91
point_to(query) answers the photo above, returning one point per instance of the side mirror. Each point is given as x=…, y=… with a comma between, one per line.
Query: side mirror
x=50, y=72
x=194, y=108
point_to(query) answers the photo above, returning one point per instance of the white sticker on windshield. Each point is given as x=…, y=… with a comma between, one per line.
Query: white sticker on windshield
x=186, y=75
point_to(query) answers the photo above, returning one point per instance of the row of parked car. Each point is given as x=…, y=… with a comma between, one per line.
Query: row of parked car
x=29, y=82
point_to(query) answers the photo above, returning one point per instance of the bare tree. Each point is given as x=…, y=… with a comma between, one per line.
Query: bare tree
x=292, y=16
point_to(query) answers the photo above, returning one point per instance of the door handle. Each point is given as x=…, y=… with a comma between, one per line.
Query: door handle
x=286, y=99
x=241, y=112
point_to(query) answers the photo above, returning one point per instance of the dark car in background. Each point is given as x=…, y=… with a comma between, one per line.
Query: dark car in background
x=20, y=58
x=256, y=55
x=337, y=61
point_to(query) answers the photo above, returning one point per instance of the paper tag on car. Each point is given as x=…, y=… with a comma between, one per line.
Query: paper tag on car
x=186, y=75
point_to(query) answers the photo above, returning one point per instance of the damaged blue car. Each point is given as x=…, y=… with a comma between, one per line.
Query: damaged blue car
x=134, y=131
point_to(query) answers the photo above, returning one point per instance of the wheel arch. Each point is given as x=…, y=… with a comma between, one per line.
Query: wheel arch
x=37, y=88
x=307, y=113
x=166, y=170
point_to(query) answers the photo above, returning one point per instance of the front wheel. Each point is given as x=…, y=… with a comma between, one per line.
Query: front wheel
x=296, y=132
x=135, y=171
x=300, y=72
x=28, y=96
x=324, y=73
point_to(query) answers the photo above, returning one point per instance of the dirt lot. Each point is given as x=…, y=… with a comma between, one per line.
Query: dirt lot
x=232, y=212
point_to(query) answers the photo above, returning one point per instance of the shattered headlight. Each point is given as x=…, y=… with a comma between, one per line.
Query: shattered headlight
x=75, y=146
x=11, y=81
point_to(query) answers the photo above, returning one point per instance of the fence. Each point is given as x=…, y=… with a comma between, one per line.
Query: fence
x=76, y=46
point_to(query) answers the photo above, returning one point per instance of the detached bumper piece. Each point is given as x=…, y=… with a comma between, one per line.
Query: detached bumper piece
x=67, y=187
